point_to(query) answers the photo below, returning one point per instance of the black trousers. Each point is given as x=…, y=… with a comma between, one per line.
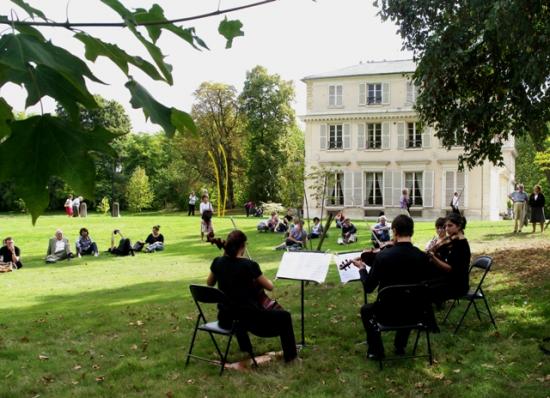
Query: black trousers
x=374, y=338
x=191, y=210
x=268, y=324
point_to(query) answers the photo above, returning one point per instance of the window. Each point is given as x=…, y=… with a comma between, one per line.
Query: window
x=335, y=136
x=454, y=182
x=414, y=182
x=373, y=188
x=374, y=93
x=414, y=135
x=335, y=95
x=374, y=135
x=335, y=194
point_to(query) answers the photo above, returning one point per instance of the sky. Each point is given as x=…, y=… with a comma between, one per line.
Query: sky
x=291, y=38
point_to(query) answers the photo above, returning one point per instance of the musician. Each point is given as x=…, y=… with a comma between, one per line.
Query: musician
x=440, y=236
x=451, y=261
x=401, y=264
x=239, y=278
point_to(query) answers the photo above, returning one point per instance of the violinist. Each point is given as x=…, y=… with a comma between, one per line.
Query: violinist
x=239, y=278
x=451, y=260
x=401, y=264
x=441, y=235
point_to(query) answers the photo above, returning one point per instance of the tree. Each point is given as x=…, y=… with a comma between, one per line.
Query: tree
x=266, y=103
x=27, y=58
x=483, y=70
x=138, y=192
x=216, y=115
x=291, y=173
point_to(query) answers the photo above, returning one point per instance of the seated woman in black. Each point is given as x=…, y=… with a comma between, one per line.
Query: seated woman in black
x=155, y=240
x=240, y=279
x=451, y=261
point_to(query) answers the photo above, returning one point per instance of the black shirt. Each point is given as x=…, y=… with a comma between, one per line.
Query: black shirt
x=5, y=253
x=152, y=239
x=457, y=255
x=236, y=278
x=401, y=264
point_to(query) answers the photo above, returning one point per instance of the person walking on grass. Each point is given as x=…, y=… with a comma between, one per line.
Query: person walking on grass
x=520, y=199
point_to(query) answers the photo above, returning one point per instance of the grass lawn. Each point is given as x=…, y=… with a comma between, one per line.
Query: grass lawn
x=120, y=327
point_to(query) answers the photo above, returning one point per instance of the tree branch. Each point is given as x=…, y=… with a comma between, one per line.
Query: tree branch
x=69, y=25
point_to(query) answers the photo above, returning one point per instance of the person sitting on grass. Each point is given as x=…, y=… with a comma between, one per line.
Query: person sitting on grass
x=348, y=233
x=316, y=230
x=58, y=248
x=155, y=240
x=85, y=244
x=296, y=239
x=380, y=232
x=10, y=254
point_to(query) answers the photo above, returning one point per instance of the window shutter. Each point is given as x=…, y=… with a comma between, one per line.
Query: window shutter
x=323, y=136
x=331, y=95
x=361, y=141
x=400, y=135
x=397, y=188
x=387, y=188
x=346, y=136
x=410, y=88
x=363, y=94
x=385, y=135
x=338, y=95
x=461, y=187
x=358, y=188
x=449, y=188
x=428, y=197
x=426, y=136
x=385, y=93
x=348, y=188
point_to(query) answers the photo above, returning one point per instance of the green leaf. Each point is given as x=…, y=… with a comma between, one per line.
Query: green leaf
x=170, y=119
x=117, y=6
x=96, y=48
x=6, y=116
x=30, y=10
x=156, y=13
x=22, y=28
x=230, y=30
x=43, y=146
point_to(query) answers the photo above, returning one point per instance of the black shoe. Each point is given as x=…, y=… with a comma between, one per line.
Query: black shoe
x=375, y=356
x=399, y=351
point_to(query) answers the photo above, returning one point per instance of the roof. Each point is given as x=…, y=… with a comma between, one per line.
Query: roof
x=369, y=68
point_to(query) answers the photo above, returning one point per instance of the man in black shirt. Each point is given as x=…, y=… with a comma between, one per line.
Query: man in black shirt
x=9, y=253
x=401, y=264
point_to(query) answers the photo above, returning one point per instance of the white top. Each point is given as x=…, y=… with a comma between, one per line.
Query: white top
x=76, y=202
x=192, y=199
x=206, y=206
x=456, y=199
x=59, y=245
x=69, y=203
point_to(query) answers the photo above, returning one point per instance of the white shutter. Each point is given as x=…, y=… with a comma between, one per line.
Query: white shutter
x=339, y=95
x=363, y=94
x=385, y=135
x=400, y=135
x=361, y=141
x=426, y=136
x=323, y=136
x=387, y=188
x=358, y=188
x=428, y=197
x=397, y=188
x=346, y=137
x=331, y=95
x=348, y=188
x=449, y=188
x=385, y=93
x=410, y=89
x=461, y=188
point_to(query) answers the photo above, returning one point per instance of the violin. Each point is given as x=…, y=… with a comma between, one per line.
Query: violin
x=368, y=256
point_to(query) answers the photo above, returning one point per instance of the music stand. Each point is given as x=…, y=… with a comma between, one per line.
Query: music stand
x=304, y=266
x=351, y=274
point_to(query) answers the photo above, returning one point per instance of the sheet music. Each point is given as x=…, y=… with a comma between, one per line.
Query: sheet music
x=352, y=272
x=304, y=266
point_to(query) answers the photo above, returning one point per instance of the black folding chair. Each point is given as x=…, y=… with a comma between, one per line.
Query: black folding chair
x=483, y=263
x=211, y=295
x=402, y=307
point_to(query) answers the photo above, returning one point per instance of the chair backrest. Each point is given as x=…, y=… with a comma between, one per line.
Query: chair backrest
x=400, y=305
x=484, y=263
x=207, y=294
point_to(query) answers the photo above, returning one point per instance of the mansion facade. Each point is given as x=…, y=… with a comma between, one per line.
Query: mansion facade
x=364, y=143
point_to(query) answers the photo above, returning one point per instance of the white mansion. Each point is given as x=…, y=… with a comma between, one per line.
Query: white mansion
x=361, y=127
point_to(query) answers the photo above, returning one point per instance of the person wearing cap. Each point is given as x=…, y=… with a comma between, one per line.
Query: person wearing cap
x=520, y=199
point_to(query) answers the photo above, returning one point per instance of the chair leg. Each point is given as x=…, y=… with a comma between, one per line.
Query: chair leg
x=216, y=345
x=489, y=312
x=429, y=346
x=224, y=358
x=416, y=342
x=463, y=316
x=449, y=311
x=192, y=342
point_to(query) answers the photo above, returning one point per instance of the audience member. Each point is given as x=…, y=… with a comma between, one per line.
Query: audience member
x=58, y=248
x=85, y=244
x=317, y=229
x=155, y=240
x=9, y=253
x=348, y=233
x=296, y=239
x=380, y=232
x=69, y=206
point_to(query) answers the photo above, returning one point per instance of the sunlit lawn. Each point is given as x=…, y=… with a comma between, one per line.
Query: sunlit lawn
x=121, y=326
